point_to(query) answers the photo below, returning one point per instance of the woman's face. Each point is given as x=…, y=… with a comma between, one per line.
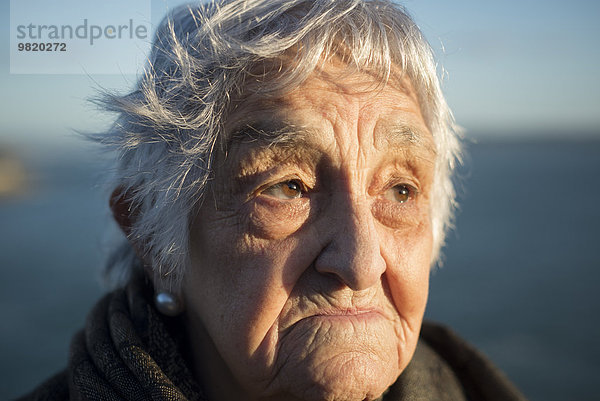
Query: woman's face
x=310, y=254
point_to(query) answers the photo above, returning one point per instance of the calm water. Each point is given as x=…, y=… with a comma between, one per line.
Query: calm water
x=520, y=278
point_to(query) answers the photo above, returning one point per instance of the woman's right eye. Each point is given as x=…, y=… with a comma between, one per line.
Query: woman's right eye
x=401, y=193
x=287, y=190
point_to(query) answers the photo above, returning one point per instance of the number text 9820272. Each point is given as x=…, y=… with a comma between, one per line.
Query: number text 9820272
x=42, y=46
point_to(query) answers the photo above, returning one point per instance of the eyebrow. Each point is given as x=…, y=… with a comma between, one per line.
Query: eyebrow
x=283, y=134
x=403, y=136
x=267, y=135
x=270, y=133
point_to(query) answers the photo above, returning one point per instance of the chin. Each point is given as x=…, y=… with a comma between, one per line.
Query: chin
x=353, y=378
x=331, y=366
x=352, y=381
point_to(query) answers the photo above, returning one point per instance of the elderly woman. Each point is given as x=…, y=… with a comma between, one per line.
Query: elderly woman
x=284, y=183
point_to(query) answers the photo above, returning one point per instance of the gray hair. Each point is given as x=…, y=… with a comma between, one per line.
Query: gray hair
x=205, y=56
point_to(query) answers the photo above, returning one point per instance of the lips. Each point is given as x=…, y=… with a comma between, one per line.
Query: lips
x=347, y=312
x=346, y=315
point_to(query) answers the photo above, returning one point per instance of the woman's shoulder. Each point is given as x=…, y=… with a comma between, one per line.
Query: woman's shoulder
x=478, y=376
x=445, y=367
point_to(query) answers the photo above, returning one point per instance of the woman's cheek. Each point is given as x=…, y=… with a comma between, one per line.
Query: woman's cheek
x=408, y=255
x=399, y=216
x=271, y=218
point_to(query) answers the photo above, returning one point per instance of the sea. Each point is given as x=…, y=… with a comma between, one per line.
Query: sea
x=520, y=277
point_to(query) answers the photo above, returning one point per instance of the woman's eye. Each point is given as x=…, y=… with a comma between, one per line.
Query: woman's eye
x=400, y=193
x=291, y=189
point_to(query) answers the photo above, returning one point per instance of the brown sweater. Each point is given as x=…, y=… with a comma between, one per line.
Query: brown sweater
x=128, y=351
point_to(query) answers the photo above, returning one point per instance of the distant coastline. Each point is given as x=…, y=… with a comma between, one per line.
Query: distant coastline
x=13, y=175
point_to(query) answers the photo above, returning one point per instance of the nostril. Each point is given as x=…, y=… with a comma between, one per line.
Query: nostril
x=335, y=281
x=357, y=266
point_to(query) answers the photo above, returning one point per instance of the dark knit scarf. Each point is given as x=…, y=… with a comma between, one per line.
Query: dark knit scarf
x=128, y=351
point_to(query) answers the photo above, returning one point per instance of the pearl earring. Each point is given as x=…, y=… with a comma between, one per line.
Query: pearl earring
x=168, y=304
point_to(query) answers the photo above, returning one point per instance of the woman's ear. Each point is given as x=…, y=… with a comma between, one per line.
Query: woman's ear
x=122, y=210
x=125, y=214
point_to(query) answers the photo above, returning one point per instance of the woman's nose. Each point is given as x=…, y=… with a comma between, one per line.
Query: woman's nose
x=353, y=252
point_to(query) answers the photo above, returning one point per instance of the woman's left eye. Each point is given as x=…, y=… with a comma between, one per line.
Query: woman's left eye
x=400, y=193
x=291, y=189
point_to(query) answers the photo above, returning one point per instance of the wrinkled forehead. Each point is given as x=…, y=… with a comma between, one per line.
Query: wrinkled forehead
x=253, y=110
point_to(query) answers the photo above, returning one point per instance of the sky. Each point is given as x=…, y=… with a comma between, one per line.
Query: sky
x=512, y=68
